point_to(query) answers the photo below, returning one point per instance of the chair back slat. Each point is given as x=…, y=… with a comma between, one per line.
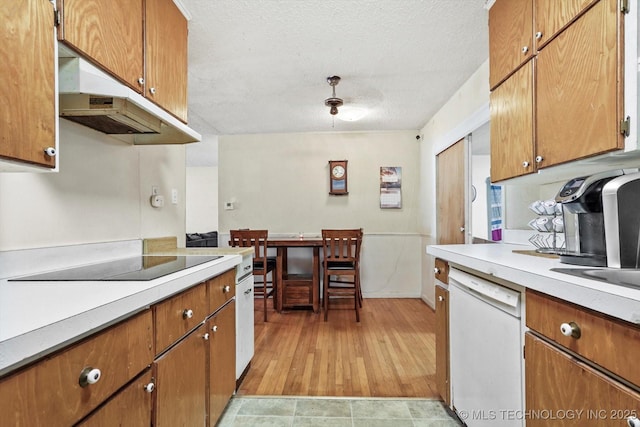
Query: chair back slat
x=251, y=238
x=341, y=245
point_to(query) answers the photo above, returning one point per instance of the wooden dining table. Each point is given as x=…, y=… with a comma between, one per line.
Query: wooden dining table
x=299, y=289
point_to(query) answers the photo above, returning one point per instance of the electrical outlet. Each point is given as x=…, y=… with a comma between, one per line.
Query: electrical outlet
x=174, y=196
x=155, y=190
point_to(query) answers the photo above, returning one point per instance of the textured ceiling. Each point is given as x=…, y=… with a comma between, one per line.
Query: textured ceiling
x=260, y=66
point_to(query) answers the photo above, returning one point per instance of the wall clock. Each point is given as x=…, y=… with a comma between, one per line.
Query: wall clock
x=338, y=177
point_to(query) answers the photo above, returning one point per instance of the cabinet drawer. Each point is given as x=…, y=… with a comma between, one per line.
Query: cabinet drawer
x=441, y=270
x=49, y=393
x=179, y=314
x=221, y=289
x=610, y=343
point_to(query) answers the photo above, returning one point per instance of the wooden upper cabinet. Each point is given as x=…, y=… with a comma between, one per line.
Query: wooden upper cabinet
x=551, y=16
x=579, y=88
x=510, y=38
x=166, y=57
x=28, y=118
x=511, y=112
x=143, y=43
x=108, y=33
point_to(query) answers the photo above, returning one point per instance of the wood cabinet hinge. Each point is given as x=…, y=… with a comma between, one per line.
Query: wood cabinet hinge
x=56, y=18
x=624, y=6
x=625, y=126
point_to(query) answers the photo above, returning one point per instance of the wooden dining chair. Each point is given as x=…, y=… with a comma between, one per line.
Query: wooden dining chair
x=341, y=265
x=262, y=264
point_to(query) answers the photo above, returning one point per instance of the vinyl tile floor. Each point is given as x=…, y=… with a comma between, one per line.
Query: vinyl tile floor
x=335, y=412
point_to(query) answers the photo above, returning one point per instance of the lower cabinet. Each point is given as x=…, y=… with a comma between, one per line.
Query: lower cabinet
x=222, y=360
x=563, y=391
x=63, y=388
x=580, y=366
x=442, y=344
x=181, y=382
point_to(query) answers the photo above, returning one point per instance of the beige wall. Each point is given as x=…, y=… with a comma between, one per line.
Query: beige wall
x=100, y=194
x=280, y=181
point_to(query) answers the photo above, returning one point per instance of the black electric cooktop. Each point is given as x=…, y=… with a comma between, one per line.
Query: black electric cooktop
x=143, y=267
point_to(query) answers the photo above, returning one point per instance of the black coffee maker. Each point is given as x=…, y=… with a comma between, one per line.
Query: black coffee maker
x=584, y=224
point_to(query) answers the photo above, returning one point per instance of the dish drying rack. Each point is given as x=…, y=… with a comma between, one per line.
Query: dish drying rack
x=550, y=236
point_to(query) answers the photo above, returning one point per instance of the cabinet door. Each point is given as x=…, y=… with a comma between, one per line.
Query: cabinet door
x=557, y=382
x=510, y=37
x=450, y=183
x=131, y=407
x=551, y=16
x=109, y=33
x=166, y=57
x=181, y=383
x=579, y=89
x=442, y=344
x=511, y=111
x=28, y=117
x=222, y=363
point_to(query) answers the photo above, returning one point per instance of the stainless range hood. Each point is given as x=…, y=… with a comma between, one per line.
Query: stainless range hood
x=93, y=98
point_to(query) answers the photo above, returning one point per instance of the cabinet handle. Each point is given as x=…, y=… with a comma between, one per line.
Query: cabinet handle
x=89, y=376
x=539, y=159
x=440, y=298
x=149, y=387
x=187, y=314
x=525, y=49
x=226, y=289
x=570, y=329
x=214, y=328
x=248, y=291
x=525, y=164
x=539, y=35
x=462, y=229
x=152, y=91
x=436, y=270
x=140, y=80
x=206, y=336
x=50, y=151
x=633, y=421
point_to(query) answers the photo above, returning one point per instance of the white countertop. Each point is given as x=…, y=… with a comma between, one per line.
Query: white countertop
x=533, y=272
x=37, y=318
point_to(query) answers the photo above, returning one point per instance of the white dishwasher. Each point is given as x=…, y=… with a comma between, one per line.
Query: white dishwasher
x=244, y=315
x=485, y=351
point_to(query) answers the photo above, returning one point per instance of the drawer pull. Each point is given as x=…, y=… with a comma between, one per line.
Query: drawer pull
x=206, y=336
x=187, y=314
x=226, y=289
x=633, y=422
x=436, y=270
x=89, y=376
x=214, y=328
x=570, y=329
x=440, y=298
x=149, y=387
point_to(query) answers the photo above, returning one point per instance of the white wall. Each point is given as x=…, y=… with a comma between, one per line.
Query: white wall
x=281, y=182
x=479, y=215
x=202, y=199
x=100, y=194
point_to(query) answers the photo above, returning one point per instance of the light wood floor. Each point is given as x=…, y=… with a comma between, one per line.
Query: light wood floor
x=390, y=353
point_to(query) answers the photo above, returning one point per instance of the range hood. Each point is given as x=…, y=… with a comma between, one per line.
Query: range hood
x=93, y=98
